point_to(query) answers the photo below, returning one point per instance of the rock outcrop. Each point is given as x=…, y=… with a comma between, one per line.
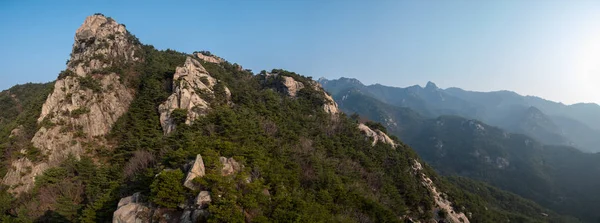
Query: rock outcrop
x=203, y=199
x=18, y=131
x=87, y=99
x=230, y=166
x=210, y=59
x=292, y=86
x=377, y=135
x=132, y=210
x=193, y=88
x=441, y=203
x=197, y=170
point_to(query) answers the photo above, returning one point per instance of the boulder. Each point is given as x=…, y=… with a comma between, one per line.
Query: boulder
x=203, y=199
x=197, y=170
x=131, y=211
x=230, y=166
x=210, y=59
x=292, y=86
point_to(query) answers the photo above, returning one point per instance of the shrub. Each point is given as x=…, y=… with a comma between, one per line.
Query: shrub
x=205, y=81
x=167, y=189
x=80, y=111
x=179, y=116
x=89, y=82
x=66, y=73
x=140, y=161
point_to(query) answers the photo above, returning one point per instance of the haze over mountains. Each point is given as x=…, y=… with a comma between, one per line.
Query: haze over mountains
x=530, y=153
x=549, y=122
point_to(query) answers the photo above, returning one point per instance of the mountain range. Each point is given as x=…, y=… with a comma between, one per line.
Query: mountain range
x=130, y=133
x=525, y=151
x=549, y=122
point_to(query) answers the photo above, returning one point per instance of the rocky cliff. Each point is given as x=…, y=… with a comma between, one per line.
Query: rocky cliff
x=292, y=86
x=443, y=208
x=377, y=135
x=193, y=89
x=88, y=97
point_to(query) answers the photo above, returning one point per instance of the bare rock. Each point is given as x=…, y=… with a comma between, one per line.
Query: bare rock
x=230, y=166
x=292, y=86
x=377, y=135
x=135, y=198
x=203, y=199
x=441, y=203
x=97, y=41
x=130, y=210
x=210, y=59
x=18, y=131
x=22, y=174
x=192, y=88
x=329, y=106
x=197, y=170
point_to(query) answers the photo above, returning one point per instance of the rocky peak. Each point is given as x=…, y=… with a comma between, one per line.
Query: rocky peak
x=101, y=42
x=87, y=99
x=193, y=88
x=431, y=86
x=98, y=26
x=351, y=80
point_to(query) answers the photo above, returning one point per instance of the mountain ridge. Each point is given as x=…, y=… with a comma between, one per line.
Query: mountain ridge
x=499, y=108
x=466, y=147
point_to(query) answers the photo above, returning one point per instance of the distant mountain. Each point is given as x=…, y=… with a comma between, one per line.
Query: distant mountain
x=559, y=177
x=549, y=122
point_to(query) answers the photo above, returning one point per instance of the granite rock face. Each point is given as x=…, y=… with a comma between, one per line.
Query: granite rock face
x=292, y=86
x=441, y=203
x=197, y=170
x=86, y=101
x=193, y=88
x=203, y=199
x=230, y=166
x=210, y=59
x=377, y=135
x=132, y=210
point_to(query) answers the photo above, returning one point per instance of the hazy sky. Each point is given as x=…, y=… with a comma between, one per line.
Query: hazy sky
x=544, y=48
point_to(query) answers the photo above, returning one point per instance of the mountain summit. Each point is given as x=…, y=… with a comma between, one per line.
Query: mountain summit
x=88, y=98
x=431, y=86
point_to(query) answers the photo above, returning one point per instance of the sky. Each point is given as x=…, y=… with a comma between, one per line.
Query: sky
x=549, y=49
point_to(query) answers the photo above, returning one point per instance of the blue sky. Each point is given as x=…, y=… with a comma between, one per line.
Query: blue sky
x=544, y=48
